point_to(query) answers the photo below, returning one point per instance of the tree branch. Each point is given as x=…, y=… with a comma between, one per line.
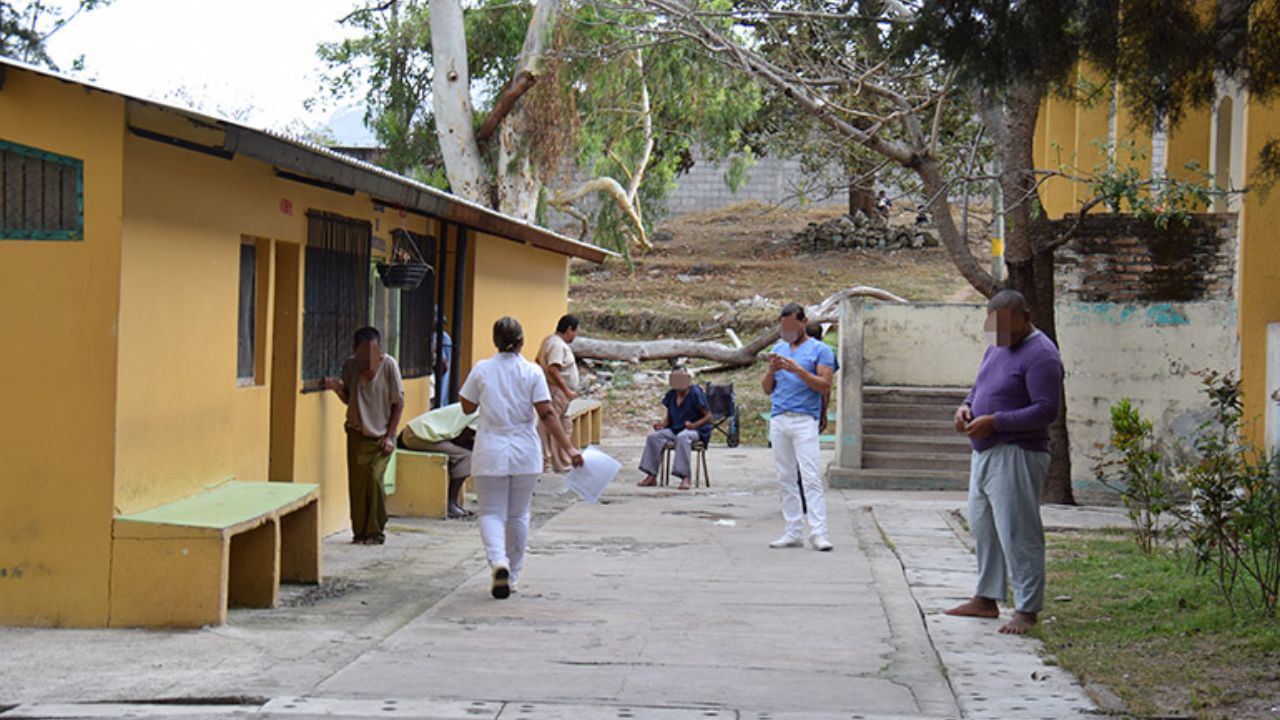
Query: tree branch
x=511, y=93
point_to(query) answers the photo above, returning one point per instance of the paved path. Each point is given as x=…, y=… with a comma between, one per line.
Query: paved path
x=654, y=604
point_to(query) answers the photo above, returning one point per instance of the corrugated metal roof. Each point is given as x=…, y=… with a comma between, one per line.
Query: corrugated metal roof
x=323, y=164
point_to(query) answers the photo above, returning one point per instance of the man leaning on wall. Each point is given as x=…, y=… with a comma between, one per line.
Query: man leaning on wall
x=373, y=391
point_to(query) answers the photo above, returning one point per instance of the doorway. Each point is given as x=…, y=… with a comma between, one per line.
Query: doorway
x=284, y=360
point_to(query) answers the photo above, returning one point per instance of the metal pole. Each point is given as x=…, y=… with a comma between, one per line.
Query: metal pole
x=438, y=277
x=459, y=296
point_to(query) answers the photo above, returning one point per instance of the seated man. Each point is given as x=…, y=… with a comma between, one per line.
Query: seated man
x=451, y=432
x=688, y=420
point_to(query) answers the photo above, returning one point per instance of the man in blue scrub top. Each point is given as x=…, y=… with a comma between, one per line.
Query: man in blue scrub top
x=800, y=372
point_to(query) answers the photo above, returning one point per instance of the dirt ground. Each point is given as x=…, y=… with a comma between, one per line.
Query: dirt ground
x=734, y=268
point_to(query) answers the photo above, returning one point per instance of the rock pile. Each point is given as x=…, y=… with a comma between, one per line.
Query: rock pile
x=862, y=232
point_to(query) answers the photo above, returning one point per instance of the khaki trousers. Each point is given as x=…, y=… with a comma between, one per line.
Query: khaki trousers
x=366, y=466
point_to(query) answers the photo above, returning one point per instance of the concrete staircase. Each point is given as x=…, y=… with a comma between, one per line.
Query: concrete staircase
x=908, y=442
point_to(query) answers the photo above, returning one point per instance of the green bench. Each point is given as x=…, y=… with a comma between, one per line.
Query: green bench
x=183, y=563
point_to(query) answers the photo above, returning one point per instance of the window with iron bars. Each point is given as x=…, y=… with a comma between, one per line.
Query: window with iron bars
x=418, y=315
x=336, y=296
x=41, y=194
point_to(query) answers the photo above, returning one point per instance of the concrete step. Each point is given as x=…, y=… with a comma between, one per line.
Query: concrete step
x=952, y=443
x=872, y=479
x=930, y=428
x=951, y=396
x=900, y=411
x=915, y=461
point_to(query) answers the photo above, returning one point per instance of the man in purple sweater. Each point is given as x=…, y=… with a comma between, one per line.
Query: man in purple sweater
x=1007, y=415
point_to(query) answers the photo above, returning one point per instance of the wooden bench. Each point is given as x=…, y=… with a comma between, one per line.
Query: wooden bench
x=588, y=417
x=182, y=564
x=417, y=484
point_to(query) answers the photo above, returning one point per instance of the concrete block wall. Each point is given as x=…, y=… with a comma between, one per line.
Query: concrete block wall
x=1120, y=259
x=1148, y=352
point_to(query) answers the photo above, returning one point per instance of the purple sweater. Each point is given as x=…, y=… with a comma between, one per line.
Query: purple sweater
x=1022, y=387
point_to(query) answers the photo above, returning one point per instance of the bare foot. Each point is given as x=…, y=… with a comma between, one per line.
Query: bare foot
x=649, y=481
x=1020, y=624
x=976, y=607
x=684, y=485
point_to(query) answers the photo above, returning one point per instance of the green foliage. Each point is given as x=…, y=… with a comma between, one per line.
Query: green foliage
x=1157, y=635
x=1233, y=523
x=585, y=110
x=1122, y=186
x=25, y=28
x=1135, y=468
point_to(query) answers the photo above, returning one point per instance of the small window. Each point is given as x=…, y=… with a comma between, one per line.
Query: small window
x=247, y=332
x=41, y=195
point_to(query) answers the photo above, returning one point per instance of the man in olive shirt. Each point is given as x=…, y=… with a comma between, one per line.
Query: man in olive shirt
x=373, y=391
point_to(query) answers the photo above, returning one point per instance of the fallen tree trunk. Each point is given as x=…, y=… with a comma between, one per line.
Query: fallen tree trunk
x=635, y=351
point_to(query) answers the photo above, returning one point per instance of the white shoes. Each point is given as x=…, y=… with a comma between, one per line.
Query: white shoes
x=786, y=541
x=821, y=543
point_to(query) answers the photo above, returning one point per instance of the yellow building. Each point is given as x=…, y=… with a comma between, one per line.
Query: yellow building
x=174, y=286
x=1224, y=140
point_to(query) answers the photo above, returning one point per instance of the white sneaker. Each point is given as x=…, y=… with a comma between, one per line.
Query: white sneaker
x=786, y=541
x=821, y=543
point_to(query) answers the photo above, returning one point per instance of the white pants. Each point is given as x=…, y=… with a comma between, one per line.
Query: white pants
x=504, y=518
x=795, y=446
x=1004, y=517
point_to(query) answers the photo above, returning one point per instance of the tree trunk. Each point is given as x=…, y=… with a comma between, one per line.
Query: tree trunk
x=451, y=103
x=639, y=351
x=517, y=178
x=1031, y=271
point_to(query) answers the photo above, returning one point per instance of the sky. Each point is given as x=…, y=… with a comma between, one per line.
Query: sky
x=229, y=55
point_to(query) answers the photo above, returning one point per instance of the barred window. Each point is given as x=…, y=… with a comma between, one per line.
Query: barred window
x=417, y=316
x=41, y=195
x=336, y=296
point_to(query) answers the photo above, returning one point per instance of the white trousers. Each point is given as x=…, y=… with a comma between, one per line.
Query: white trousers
x=504, y=518
x=795, y=448
x=1004, y=516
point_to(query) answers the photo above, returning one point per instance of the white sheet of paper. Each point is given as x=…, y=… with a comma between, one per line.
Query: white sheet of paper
x=597, y=471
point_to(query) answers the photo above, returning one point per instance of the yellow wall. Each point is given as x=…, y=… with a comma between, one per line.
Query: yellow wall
x=59, y=359
x=183, y=423
x=1259, y=266
x=527, y=283
x=1190, y=141
x=1058, y=194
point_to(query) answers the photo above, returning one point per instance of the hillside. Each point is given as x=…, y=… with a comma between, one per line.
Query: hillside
x=735, y=267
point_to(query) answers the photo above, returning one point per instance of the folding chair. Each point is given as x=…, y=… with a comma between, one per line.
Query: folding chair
x=724, y=411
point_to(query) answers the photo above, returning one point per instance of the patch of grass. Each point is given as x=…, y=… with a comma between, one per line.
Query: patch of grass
x=1156, y=633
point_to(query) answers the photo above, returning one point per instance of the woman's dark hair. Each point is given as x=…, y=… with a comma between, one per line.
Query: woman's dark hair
x=508, y=336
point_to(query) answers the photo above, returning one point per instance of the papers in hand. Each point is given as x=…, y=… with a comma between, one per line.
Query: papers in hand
x=590, y=480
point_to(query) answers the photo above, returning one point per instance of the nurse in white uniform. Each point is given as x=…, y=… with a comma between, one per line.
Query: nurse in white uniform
x=512, y=396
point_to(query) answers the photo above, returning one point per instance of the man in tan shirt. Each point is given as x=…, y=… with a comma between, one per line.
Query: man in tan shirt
x=557, y=361
x=373, y=391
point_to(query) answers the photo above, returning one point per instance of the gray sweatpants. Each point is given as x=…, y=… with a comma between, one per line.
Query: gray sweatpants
x=651, y=461
x=1004, y=516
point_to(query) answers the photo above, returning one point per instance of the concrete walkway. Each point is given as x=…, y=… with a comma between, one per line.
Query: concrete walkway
x=654, y=604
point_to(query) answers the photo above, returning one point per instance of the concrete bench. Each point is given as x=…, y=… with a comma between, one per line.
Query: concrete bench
x=182, y=564
x=588, y=418
x=417, y=484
